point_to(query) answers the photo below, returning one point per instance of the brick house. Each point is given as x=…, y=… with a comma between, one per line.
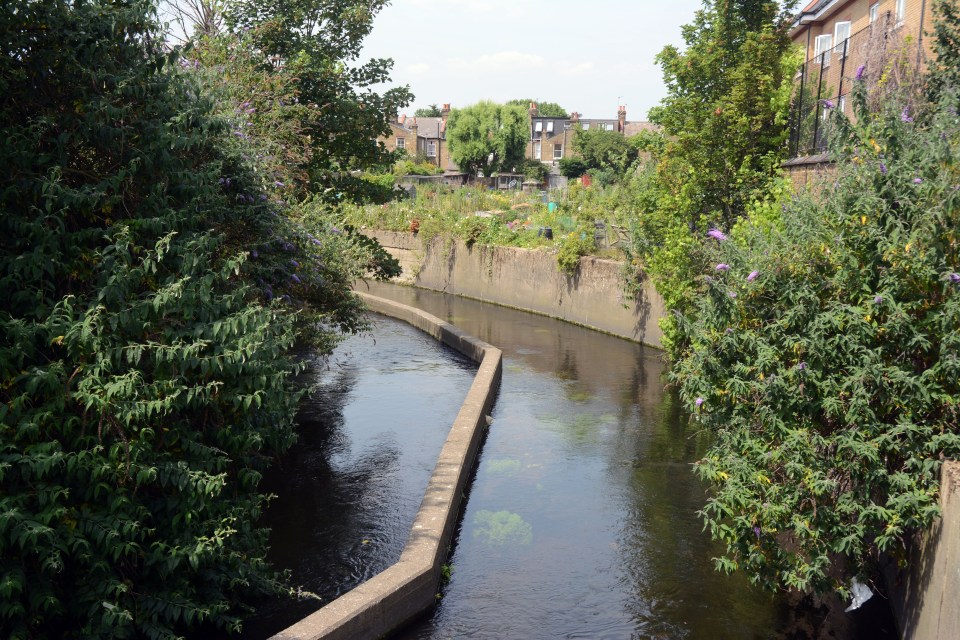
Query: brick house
x=426, y=137
x=840, y=36
x=551, y=137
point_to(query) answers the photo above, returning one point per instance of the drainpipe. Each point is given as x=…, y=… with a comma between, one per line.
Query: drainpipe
x=923, y=10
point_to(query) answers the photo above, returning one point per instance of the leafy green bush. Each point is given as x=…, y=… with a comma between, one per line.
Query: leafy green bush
x=824, y=353
x=574, y=246
x=144, y=379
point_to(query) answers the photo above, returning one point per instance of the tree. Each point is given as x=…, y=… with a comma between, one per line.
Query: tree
x=824, y=353
x=606, y=150
x=724, y=132
x=433, y=111
x=487, y=137
x=546, y=109
x=145, y=382
x=945, y=65
x=318, y=42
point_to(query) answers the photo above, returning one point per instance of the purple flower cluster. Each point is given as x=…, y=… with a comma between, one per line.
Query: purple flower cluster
x=698, y=402
x=860, y=71
x=905, y=115
x=723, y=266
x=716, y=234
x=753, y=276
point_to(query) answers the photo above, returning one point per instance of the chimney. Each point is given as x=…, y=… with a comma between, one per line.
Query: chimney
x=622, y=118
x=445, y=111
x=402, y=119
x=533, y=110
x=574, y=118
x=413, y=125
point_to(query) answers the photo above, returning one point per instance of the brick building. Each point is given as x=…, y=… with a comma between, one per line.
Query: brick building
x=551, y=137
x=426, y=137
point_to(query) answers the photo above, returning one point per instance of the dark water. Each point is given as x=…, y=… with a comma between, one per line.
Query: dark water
x=581, y=521
x=369, y=439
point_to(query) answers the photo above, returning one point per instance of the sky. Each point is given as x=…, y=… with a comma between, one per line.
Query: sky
x=589, y=56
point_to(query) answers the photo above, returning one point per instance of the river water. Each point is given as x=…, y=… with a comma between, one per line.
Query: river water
x=581, y=521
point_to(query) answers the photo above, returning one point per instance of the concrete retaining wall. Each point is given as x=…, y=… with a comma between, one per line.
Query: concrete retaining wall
x=409, y=587
x=529, y=279
x=924, y=594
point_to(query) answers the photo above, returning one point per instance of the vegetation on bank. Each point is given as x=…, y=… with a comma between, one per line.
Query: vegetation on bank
x=162, y=247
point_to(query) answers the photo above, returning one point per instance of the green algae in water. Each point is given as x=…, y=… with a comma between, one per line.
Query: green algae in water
x=502, y=528
x=504, y=467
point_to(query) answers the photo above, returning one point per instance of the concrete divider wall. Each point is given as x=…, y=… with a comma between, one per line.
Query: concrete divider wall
x=529, y=279
x=924, y=593
x=409, y=587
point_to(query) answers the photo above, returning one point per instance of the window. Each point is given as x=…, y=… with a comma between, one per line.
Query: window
x=608, y=126
x=874, y=12
x=566, y=125
x=821, y=46
x=901, y=11
x=586, y=126
x=842, y=104
x=536, y=150
x=432, y=149
x=550, y=127
x=401, y=143
x=538, y=127
x=557, y=151
x=841, y=32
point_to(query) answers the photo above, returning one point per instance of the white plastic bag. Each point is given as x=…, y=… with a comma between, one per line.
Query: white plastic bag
x=861, y=593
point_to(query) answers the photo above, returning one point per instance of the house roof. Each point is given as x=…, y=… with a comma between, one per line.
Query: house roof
x=435, y=128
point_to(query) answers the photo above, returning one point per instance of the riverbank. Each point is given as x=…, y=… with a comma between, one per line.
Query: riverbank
x=529, y=279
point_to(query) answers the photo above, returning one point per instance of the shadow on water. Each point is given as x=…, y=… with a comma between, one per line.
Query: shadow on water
x=349, y=488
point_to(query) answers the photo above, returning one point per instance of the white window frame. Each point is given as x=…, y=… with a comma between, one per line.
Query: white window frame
x=874, y=12
x=538, y=126
x=586, y=126
x=537, y=148
x=901, y=11
x=401, y=143
x=821, y=46
x=557, y=151
x=550, y=126
x=608, y=126
x=841, y=29
x=431, y=148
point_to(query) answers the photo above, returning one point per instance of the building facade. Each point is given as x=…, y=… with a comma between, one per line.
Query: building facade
x=847, y=40
x=551, y=136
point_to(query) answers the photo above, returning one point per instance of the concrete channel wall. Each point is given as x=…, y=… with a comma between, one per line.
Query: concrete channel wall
x=924, y=594
x=529, y=279
x=409, y=587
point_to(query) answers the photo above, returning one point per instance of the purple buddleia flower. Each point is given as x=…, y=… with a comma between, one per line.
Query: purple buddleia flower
x=905, y=115
x=315, y=241
x=918, y=181
x=295, y=263
x=716, y=234
x=860, y=71
x=295, y=278
x=883, y=168
x=732, y=294
x=756, y=532
x=753, y=276
x=954, y=278
x=698, y=402
x=827, y=104
x=723, y=266
x=801, y=366
x=878, y=300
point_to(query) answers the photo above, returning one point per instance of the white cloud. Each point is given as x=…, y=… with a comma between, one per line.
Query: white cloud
x=417, y=68
x=579, y=69
x=505, y=61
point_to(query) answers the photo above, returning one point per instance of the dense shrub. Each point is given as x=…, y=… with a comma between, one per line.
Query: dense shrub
x=144, y=382
x=825, y=357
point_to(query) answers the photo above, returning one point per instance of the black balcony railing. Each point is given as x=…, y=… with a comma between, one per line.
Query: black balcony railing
x=825, y=81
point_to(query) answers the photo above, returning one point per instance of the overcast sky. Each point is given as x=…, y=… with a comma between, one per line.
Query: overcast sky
x=585, y=55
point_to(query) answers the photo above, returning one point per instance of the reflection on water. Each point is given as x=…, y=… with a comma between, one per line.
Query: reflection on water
x=581, y=521
x=369, y=438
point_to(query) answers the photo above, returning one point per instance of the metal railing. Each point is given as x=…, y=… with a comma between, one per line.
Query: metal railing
x=825, y=81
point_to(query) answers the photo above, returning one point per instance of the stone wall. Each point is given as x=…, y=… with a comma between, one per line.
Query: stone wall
x=530, y=279
x=924, y=594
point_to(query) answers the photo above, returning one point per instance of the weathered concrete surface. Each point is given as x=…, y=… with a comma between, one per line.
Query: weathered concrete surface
x=924, y=595
x=408, y=587
x=529, y=279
